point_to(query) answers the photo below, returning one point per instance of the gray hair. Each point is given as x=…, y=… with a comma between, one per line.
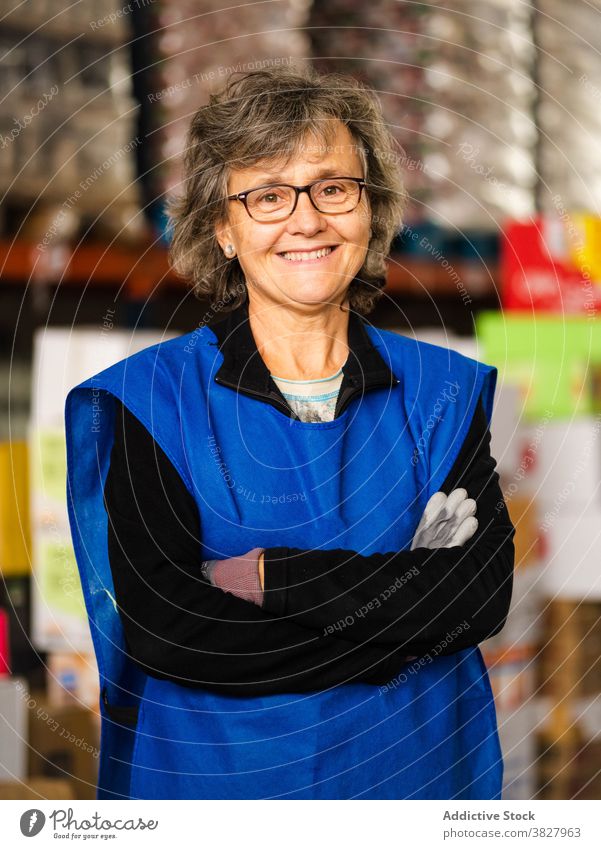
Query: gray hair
x=264, y=116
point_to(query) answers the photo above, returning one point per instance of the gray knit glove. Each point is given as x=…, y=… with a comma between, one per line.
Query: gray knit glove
x=446, y=521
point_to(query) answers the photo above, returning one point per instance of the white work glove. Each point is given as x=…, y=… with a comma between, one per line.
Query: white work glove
x=447, y=521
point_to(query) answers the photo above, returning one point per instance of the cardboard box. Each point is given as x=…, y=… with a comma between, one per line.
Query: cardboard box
x=585, y=775
x=15, y=531
x=569, y=750
x=63, y=358
x=562, y=464
x=72, y=679
x=505, y=427
x=573, y=556
x=4, y=644
x=518, y=744
x=64, y=743
x=13, y=730
x=512, y=676
x=570, y=656
x=523, y=512
x=548, y=357
x=37, y=788
x=16, y=601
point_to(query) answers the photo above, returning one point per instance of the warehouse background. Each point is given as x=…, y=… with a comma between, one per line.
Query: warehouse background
x=495, y=107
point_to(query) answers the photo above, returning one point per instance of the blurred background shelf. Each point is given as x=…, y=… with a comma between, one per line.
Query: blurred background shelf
x=142, y=272
x=103, y=265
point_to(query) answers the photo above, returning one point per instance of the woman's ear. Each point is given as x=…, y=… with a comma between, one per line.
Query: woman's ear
x=223, y=234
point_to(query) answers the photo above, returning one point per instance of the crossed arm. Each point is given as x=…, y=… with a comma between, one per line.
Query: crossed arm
x=411, y=598
x=180, y=627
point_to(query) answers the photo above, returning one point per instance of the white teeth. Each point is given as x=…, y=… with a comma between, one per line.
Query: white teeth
x=299, y=256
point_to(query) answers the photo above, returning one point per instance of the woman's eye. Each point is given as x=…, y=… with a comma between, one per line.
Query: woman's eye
x=331, y=190
x=269, y=197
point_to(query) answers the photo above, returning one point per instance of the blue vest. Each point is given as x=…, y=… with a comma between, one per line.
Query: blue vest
x=362, y=482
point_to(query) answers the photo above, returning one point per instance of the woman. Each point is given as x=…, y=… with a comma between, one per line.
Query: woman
x=274, y=520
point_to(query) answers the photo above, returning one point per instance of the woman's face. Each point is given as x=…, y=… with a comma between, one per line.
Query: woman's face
x=259, y=246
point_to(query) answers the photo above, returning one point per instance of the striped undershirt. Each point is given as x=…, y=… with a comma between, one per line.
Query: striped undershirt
x=311, y=400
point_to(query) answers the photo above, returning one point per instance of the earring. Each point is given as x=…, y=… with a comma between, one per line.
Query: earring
x=229, y=250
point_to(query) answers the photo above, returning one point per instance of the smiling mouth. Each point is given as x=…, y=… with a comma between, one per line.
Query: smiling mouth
x=308, y=256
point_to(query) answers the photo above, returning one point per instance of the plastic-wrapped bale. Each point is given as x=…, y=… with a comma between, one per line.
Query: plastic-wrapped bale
x=569, y=40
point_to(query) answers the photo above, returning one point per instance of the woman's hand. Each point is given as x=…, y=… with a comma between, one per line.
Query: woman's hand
x=237, y=575
x=446, y=521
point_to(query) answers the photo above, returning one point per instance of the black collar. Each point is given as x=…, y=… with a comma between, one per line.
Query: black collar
x=244, y=370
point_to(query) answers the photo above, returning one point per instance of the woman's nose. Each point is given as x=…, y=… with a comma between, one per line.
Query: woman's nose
x=305, y=218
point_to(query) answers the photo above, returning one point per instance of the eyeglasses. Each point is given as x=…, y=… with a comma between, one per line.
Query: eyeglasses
x=276, y=201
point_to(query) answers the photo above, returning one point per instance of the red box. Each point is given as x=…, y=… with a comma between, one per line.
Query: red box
x=4, y=649
x=538, y=269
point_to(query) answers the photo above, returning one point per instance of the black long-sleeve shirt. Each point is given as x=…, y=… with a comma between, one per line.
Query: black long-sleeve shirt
x=179, y=627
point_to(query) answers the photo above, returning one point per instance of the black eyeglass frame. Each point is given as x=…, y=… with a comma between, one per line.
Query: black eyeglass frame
x=242, y=196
